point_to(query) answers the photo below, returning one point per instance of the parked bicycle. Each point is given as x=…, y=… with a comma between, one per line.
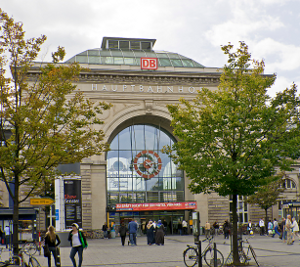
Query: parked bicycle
x=30, y=247
x=244, y=256
x=190, y=255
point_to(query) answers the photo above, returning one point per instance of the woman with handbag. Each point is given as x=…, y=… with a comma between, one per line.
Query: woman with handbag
x=78, y=243
x=50, y=242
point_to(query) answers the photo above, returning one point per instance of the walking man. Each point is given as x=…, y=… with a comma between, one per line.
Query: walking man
x=262, y=226
x=132, y=229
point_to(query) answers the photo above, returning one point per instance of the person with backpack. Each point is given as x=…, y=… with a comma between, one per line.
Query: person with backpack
x=78, y=243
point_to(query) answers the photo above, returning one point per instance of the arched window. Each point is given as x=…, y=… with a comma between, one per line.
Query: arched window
x=137, y=170
x=289, y=184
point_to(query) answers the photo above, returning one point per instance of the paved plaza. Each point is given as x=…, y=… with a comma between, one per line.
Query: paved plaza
x=271, y=252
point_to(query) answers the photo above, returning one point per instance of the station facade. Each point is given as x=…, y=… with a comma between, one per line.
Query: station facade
x=135, y=179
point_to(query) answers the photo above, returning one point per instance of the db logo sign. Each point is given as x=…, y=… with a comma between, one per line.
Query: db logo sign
x=149, y=63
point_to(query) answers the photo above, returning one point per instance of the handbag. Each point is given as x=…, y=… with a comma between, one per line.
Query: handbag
x=46, y=251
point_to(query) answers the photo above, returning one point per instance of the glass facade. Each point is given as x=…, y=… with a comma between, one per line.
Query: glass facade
x=137, y=170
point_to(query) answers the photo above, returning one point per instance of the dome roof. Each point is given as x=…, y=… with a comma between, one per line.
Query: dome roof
x=129, y=51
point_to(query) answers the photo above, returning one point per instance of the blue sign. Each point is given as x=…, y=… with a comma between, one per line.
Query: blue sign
x=56, y=214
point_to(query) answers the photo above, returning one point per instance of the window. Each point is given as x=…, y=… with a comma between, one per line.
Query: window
x=289, y=184
x=242, y=208
x=137, y=170
x=112, y=44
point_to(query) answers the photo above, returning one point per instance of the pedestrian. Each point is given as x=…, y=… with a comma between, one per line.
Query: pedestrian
x=288, y=227
x=78, y=243
x=262, y=226
x=123, y=231
x=270, y=228
x=275, y=223
x=1, y=235
x=180, y=228
x=207, y=230
x=159, y=237
x=104, y=230
x=295, y=228
x=150, y=233
x=249, y=227
x=216, y=228
x=132, y=228
x=112, y=230
x=7, y=236
x=184, y=227
x=283, y=230
x=226, y=228
x=165, y=227
x=50, y=240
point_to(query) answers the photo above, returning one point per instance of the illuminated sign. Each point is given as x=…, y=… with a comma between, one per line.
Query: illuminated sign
x=156, y=206
x=149, y=63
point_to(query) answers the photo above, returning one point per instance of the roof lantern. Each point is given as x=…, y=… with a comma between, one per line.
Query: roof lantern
x=129, y=51
x=127, y=43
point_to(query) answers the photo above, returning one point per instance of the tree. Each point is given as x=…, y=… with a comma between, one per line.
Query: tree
x=232, y=138
x=50, y=121
x=267, y=195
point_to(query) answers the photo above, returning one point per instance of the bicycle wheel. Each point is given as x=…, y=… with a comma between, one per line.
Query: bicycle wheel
x=33, y=262
x=190, y=257
x=209, y=258
x=29, y=248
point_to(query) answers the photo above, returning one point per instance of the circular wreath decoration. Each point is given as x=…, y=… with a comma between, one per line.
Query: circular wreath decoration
x=147, y=164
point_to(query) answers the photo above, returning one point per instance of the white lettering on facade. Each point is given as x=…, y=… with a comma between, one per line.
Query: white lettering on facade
x=191, y=89
x=150, y=89
x=147, y=89
x=170, y=88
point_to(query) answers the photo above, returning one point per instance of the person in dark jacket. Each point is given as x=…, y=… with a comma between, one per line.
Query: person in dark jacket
x=159, y=236
x=150, y=233
x=50, y=240
x=78, y=243
x=122, y=231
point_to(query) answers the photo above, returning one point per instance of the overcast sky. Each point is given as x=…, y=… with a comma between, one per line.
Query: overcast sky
x=192, y=28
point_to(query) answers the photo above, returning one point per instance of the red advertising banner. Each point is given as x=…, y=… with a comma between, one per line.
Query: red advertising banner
x=156, y=206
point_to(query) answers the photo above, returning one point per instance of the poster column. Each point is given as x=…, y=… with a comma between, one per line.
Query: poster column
x=73, y=202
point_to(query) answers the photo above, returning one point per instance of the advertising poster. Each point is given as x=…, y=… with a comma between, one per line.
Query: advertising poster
x=72, y=196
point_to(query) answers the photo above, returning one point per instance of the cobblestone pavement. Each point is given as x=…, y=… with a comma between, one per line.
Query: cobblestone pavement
x=271, y=252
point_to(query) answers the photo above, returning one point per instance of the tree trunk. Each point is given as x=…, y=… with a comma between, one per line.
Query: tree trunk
x=266, y=221
x=16, y=217
x=236, y=259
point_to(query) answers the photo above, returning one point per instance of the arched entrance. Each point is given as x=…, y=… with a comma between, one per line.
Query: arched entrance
x=138, y=172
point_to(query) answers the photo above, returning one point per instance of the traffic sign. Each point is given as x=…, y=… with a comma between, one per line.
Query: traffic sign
x=45, y=201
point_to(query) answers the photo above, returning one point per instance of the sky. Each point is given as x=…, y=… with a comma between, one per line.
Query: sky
x=193, y=28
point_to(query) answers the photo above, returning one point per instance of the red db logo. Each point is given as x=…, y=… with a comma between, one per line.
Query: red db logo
x=149, y=63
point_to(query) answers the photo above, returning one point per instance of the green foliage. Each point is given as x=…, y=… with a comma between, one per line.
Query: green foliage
x=232, y=138
x=267, y=195
x=45, y=121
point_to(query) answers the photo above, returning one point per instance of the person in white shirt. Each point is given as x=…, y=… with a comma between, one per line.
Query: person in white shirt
x=295, y=228
x=184, y=227
x=275, y=223
x=262, y=226
x=7, y=236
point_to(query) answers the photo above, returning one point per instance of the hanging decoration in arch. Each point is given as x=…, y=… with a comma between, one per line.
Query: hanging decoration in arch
x=147, y=164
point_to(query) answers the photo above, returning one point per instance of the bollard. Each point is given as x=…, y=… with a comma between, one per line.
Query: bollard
x=199, y=254
x=215, y=255
x=58, y=259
